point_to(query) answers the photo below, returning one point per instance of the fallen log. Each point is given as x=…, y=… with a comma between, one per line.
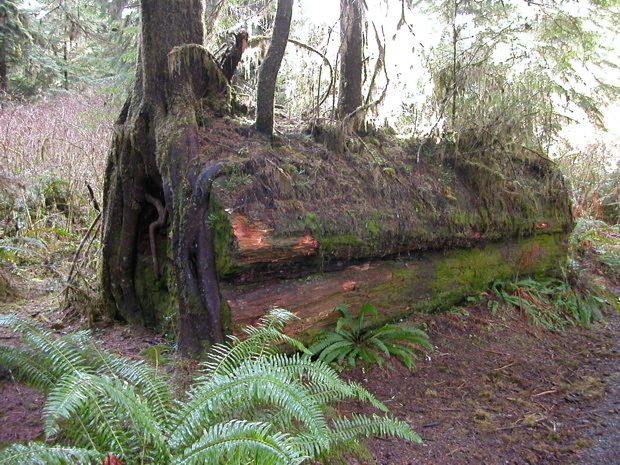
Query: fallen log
x=300, y=227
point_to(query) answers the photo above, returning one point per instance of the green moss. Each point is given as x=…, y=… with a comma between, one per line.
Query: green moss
x=222, y=239
x=373, y=228
x=158, y=295
x=311, y=220
x=344, y=246
x=435, y=281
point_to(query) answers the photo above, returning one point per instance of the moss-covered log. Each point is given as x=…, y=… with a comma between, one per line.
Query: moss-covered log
x=421, y=281
x=306, y=229
x=195, y=210
x=303, y=228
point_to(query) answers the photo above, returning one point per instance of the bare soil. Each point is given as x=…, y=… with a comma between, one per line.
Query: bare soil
x=496, y=390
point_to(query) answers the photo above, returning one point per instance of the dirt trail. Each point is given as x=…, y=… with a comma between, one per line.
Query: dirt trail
x=606, y=422
x=497, y=391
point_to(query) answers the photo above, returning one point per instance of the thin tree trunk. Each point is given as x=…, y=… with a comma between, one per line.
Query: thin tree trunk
x=4, y=80
x=351, y=36
x=265, y=92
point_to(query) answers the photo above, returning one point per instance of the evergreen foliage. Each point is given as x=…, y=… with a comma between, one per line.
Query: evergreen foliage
x=517, y=73
x=250, y=403
x=13, y=36
x=72, y=43
x=551, y=303
x=352, y=340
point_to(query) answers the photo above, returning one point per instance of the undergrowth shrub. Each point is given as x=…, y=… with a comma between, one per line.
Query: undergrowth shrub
x=589, y=286
x=595, y=244
x=352, y=340
x=52, y=158
x=249, y=404
x=551, y=303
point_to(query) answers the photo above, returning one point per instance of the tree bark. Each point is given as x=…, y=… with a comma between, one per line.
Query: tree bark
x=154, y=164
x=351, y=37
x=11, y=32
x=4, y=81
x=265, y=92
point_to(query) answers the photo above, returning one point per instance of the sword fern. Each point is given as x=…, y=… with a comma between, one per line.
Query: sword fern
x=250, y=403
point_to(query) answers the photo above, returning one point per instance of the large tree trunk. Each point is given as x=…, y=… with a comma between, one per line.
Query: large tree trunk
x=265, y=92
x=351, y=38
x=154, y=173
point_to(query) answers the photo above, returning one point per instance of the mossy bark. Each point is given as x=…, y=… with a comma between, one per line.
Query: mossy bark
x=266, y=89
x=154, y=170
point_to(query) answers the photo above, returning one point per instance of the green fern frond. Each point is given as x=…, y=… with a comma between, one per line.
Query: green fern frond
x=362, y=394
x=404, y=354
x=367, y=307
x=405, y=333
x=358, y=426
x=61, y=354
x=154, y=389
x=243, y=442
x=251, y=406
x=262, y=339
x=346, y=320
x=76, y=405
x=69, y=395
x=321, y=380
x=351, y=341
x=26, y=364
x=133, y=412
x=250, y=385
x=37, y=453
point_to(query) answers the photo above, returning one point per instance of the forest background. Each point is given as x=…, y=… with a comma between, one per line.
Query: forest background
x=544, y=70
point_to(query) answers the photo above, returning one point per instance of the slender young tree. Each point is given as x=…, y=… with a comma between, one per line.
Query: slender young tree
x=154, y=174
x=265, y=92
x=351, y=52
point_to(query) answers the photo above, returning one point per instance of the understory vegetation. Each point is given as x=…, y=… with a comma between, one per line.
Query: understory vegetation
x=248, y=404
x=354, y=340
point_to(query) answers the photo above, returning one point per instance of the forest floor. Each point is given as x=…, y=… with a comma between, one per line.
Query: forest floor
x=496, y=390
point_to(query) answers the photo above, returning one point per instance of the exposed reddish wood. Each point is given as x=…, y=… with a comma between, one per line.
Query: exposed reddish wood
x=424, y=281
x=312, y=299
x=256, y=244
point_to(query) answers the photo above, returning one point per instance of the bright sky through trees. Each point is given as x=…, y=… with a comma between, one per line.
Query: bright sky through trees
x=409, y=45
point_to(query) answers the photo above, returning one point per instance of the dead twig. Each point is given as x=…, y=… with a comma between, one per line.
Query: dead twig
x=552, y=391
x=504, y=367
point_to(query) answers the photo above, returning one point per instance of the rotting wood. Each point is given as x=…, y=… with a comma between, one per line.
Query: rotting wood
x=422, y=281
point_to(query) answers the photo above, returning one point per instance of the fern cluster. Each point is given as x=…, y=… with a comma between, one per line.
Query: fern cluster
x=352, y=340
x=550, y=302
x=250, y=404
